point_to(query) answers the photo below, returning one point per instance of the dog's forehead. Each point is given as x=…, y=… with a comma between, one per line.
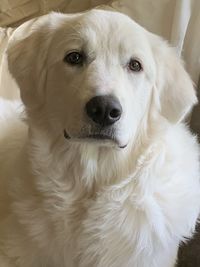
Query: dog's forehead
x=112, y=27
x=105, y=27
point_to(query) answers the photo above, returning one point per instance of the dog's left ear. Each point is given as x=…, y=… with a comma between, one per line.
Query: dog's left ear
x=173, y=84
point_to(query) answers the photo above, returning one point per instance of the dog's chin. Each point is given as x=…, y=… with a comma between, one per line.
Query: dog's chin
x=103, y=140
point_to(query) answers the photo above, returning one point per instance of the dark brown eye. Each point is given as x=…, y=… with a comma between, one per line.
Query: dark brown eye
x=135, y=65
x=74, y=58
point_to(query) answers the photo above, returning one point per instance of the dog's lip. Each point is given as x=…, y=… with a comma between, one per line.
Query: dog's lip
x=100, y=136
x=97, y=137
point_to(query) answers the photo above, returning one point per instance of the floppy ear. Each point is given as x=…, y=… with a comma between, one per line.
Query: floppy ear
x=27, y=52
x=173, y=84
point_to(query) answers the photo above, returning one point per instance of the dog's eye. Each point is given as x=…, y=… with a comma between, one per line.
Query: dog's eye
x=135, y=65
x=74, y=58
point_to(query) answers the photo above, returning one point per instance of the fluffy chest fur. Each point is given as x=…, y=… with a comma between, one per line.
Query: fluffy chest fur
x=75, y=207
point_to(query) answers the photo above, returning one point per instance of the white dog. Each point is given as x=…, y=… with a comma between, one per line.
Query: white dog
x=101, y=173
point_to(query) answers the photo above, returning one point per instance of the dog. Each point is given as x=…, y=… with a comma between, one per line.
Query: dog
x=97, y=167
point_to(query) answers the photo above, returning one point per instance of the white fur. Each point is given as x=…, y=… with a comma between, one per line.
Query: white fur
x=88, y=203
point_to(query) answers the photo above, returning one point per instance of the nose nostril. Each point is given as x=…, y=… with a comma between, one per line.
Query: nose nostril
x=115, y=113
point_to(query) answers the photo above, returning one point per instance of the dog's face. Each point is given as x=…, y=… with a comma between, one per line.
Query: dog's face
x=100, y=77
x=96, y=76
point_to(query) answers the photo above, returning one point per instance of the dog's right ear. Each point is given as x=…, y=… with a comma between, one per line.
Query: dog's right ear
x=27, y=52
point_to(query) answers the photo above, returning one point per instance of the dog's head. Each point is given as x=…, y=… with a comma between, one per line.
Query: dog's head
x=96, y=76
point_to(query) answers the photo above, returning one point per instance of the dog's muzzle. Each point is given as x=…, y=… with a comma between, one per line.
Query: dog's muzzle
x=103, y=112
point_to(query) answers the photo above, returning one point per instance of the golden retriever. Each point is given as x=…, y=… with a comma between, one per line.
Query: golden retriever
x=99, y=170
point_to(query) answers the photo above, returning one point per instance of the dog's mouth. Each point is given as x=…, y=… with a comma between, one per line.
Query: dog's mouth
x=97, y=137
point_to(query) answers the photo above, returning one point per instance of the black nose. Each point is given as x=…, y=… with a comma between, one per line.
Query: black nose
x=104, y=110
